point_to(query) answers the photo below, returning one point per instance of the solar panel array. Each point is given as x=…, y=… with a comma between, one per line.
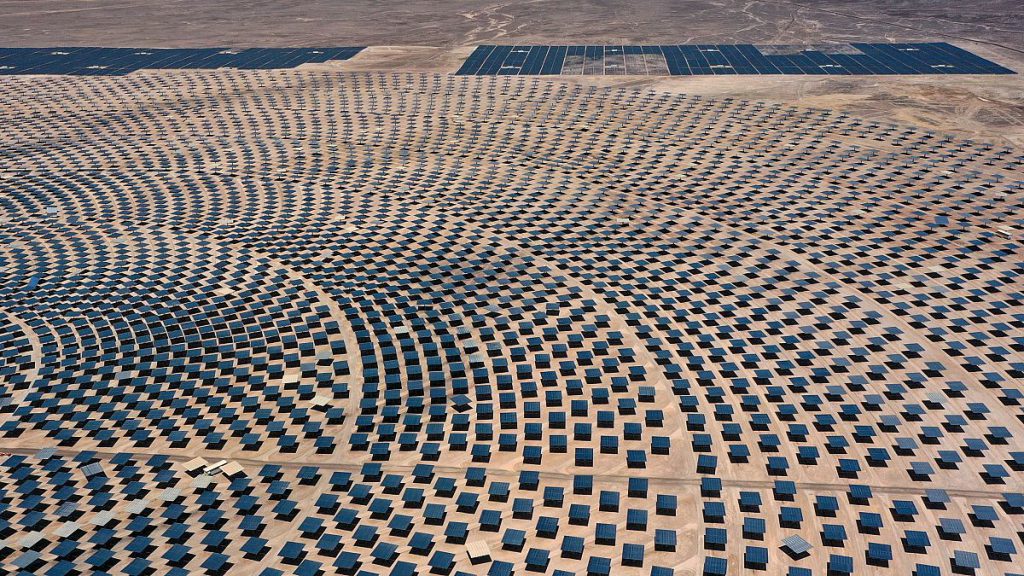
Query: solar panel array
x=298, y=322
x=93, y=61
x=723, y=59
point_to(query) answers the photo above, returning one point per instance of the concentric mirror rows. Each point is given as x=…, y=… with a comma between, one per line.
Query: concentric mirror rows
x=299, y=322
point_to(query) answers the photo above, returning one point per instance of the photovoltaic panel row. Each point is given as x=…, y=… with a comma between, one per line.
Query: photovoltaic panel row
x=724, y=59
x=117, y=61
x=514, y=60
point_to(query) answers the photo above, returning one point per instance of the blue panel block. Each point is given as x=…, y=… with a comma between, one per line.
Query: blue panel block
x=492, y=64
x=554, y=60
x=677, y=65
x=476, y=60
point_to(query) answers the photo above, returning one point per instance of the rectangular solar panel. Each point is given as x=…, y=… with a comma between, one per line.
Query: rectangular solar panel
x=964, y=559
x=840, y=563
x=715, y=566
x=796, y=544
x=92, y=469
